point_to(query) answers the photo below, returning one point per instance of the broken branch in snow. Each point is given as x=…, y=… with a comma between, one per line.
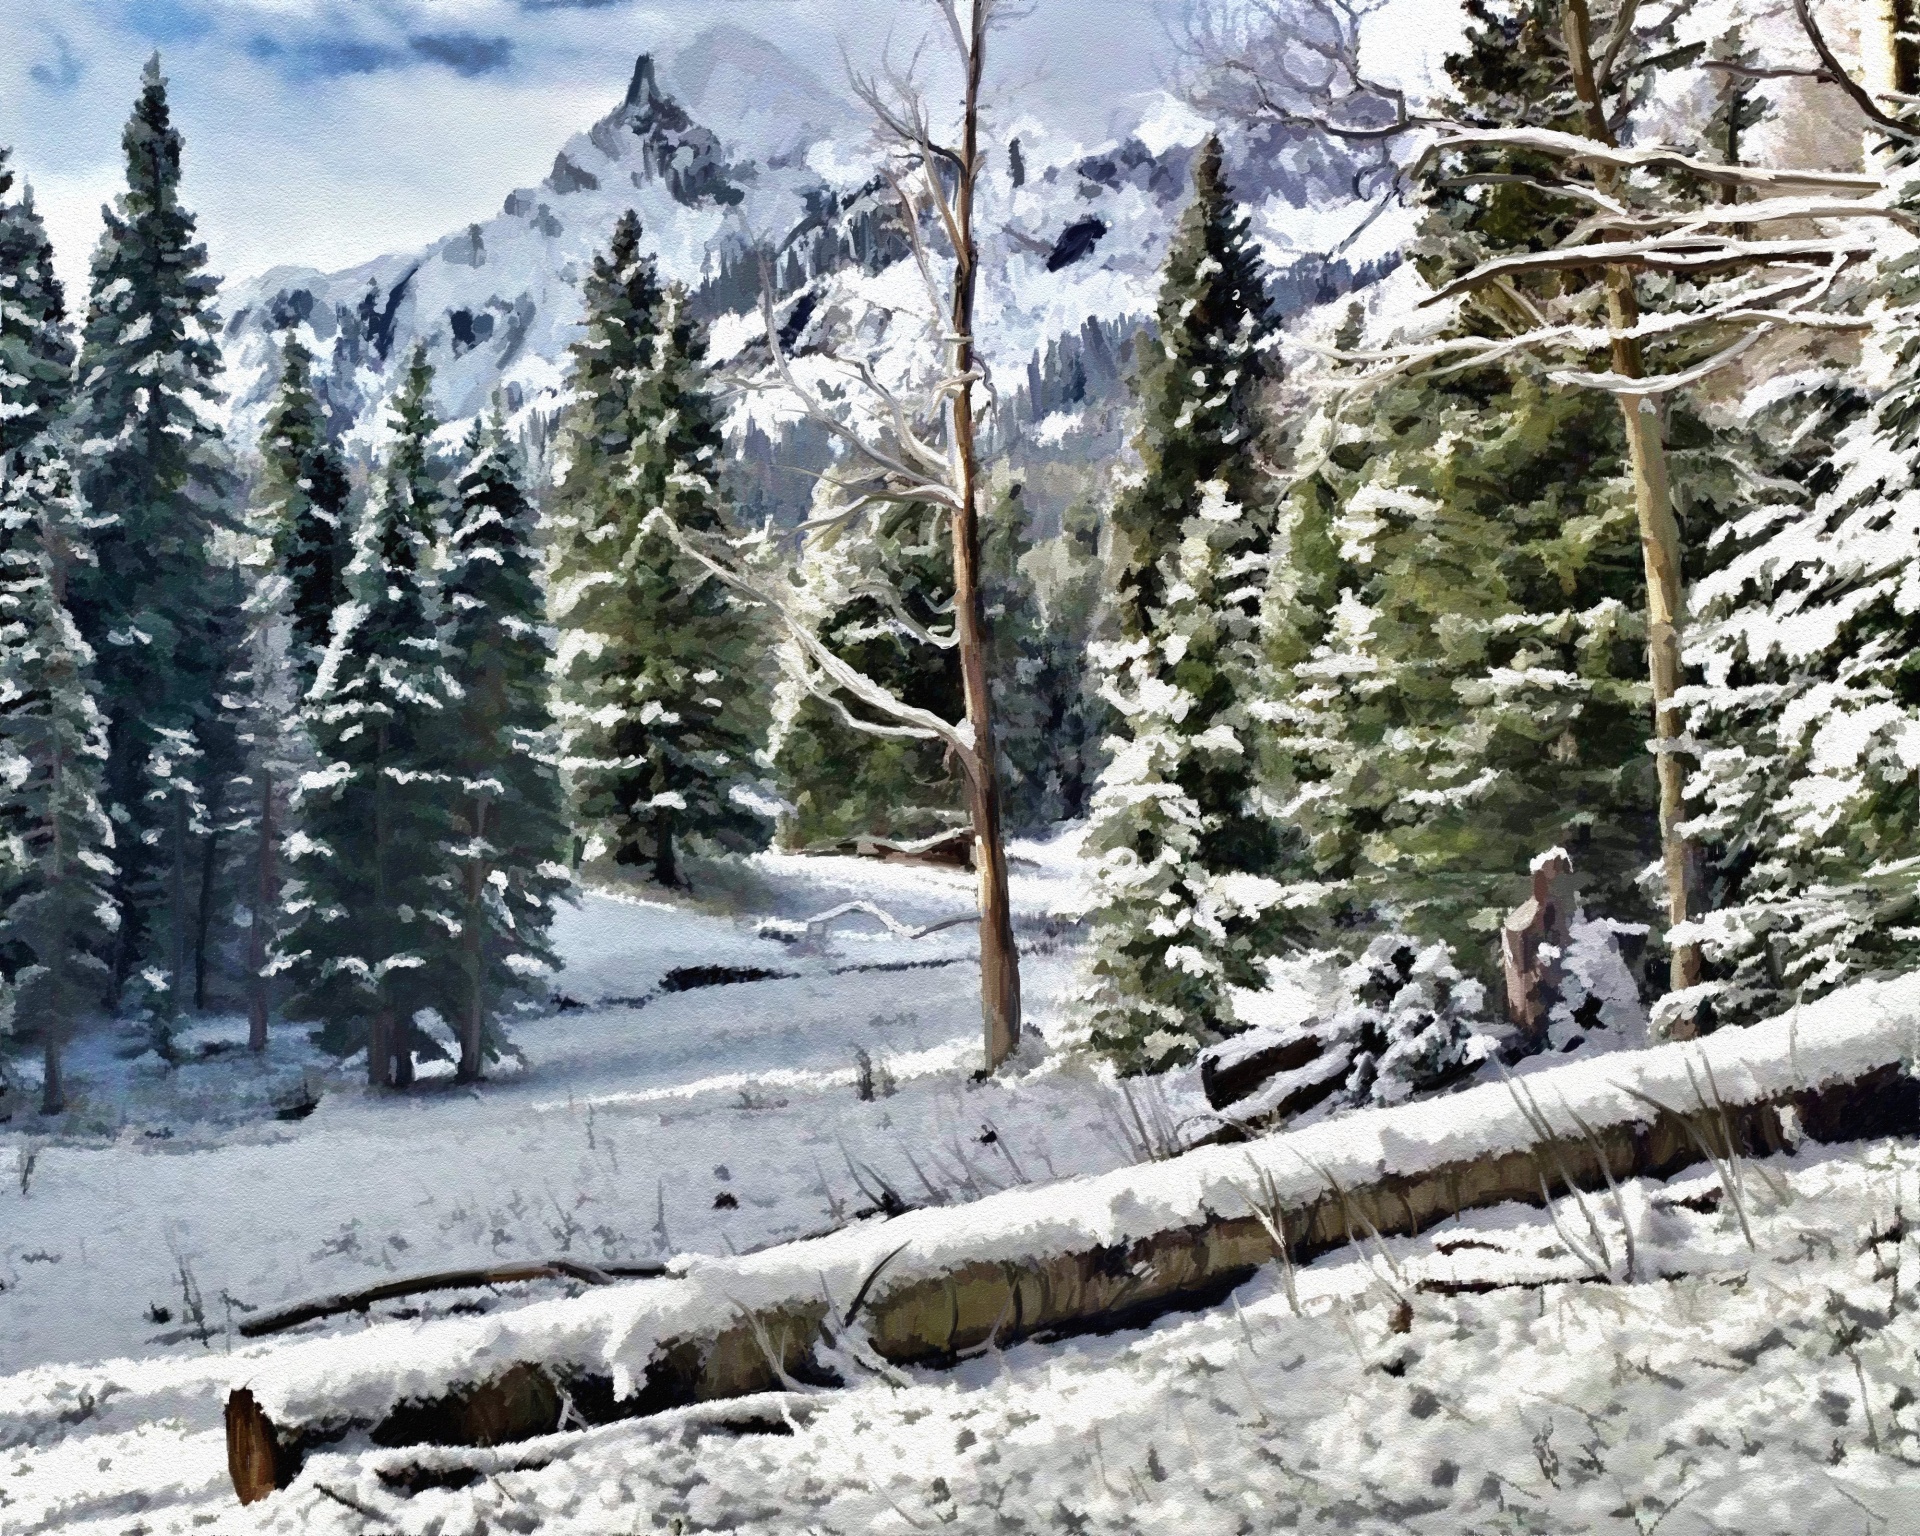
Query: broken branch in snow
x=812, y=927
x=445, y=1280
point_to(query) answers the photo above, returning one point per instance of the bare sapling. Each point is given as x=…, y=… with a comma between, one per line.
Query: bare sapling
x=925, y=455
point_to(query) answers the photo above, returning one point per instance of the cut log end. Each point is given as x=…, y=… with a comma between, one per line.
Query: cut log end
x=253, y=1450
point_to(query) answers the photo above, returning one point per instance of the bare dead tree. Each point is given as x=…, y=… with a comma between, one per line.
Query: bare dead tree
x=916, y=452
x=1648, y=209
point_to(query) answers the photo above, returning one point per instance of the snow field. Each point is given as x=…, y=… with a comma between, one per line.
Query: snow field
x=1715, y=1385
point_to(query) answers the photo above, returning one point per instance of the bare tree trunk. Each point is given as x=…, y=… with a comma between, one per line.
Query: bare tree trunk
x=473, y=1011
x=53, y=1093
x=999, y=958
x=177, y=900
x=203, y=913
x=666, y=857
x=266, y=894
x=1659, y=537
x=380, y=1033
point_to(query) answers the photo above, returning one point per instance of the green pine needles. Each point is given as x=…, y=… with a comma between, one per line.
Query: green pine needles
x=1183, y=842
x=659, y=664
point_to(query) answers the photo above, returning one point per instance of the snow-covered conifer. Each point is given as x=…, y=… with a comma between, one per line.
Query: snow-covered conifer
x=658, y=660
x=154, y=474
x=56, y=920
x=1184, y=843
x=302, y=505
x=371, y=908
x=509, y=829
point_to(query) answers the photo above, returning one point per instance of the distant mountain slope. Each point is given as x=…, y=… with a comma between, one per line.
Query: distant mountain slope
x=783, y=174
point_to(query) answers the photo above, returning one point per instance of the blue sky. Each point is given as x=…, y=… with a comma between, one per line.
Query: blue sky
x=328, y=131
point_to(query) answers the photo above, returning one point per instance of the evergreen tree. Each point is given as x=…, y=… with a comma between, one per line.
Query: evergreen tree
x=1487, y=675
x=55, y=918
x=154, y=473
x=509, y=827
x=303, y=504
x=1184, y=843
x=36, y=349
x=841, y=781
x=1807, y=650
x=371, y=907
x=658, y=660
x=1021, y=663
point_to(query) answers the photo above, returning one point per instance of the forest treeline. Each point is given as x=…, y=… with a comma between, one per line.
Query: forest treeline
x=1365, y=628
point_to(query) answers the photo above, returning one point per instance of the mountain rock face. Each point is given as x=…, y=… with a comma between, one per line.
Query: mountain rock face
x=750, y=170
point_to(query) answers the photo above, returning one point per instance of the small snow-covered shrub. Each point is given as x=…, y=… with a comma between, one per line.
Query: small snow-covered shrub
x=1414, y=1023
x=1598, y=1007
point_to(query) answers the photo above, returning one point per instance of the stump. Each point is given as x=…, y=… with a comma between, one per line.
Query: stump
x=1532, y=940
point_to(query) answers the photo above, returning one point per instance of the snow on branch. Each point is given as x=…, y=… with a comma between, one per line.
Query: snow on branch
x=1578, y=149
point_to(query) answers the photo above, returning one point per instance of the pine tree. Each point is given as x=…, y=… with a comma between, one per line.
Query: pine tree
x=1492, y=702
x=1184, y=843
x=1018, y=661
x=1807, y=649
x=509, y=827
x=841, y=781
x=371, y=908
x=55, y=919
x=36, y=348
x=154, y=472
x=303, y=503
x=657, y=660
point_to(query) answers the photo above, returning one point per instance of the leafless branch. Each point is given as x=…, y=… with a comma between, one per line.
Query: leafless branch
x=1856, y=92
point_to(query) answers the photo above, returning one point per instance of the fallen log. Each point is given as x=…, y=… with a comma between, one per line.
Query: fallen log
x=951, y=849
x=1092, y=1254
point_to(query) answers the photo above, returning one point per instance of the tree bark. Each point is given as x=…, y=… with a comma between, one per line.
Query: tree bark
x=1659, y=538
x=666, y=857
x=999, y=958
x=964, y=1303
x=266, y=895
x=380, y=1048
x=177, y=900
x=53, y=1093
x=473, y=957
x=203, y=915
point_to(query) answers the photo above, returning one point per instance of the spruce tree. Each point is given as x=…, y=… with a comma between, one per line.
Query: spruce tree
x=1019, y=663
x=1184, y=844
x=56, y=920
x=509, y=831
x=1807, y=650
x=657, y=660
x=841, y=781
x=370, y=907
x=303, y=504
x=36, y=348
x=154, y=473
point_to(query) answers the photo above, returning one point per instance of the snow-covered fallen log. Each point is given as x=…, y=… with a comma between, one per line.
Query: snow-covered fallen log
x=1094, y=1253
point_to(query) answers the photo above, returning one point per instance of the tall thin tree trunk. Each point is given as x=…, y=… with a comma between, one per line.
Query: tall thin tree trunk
x=177, y=901
x=381, y=1031
x=666, y=857
x=1659, y=540
x=380, y=1047
x=203, y=915
x=53, y=1093
x=473, y=955
x=999, y=958
x=266, y=895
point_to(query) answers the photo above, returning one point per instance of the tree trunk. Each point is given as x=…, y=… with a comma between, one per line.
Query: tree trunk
x=203, y=914
x=473, y=1010
x=380, y=1048
x=999, y=959
x=666, y=858
x=1659, y=537
x=266, y=894
x=177, y=900
x=53, y=1093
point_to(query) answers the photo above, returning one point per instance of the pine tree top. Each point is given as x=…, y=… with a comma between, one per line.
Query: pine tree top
x=36, y=349
x=1198, y=388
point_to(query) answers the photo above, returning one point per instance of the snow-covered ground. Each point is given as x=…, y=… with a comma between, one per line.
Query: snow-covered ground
x=1479, y=1378
x=1634, y=1364
x=645, y=1121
